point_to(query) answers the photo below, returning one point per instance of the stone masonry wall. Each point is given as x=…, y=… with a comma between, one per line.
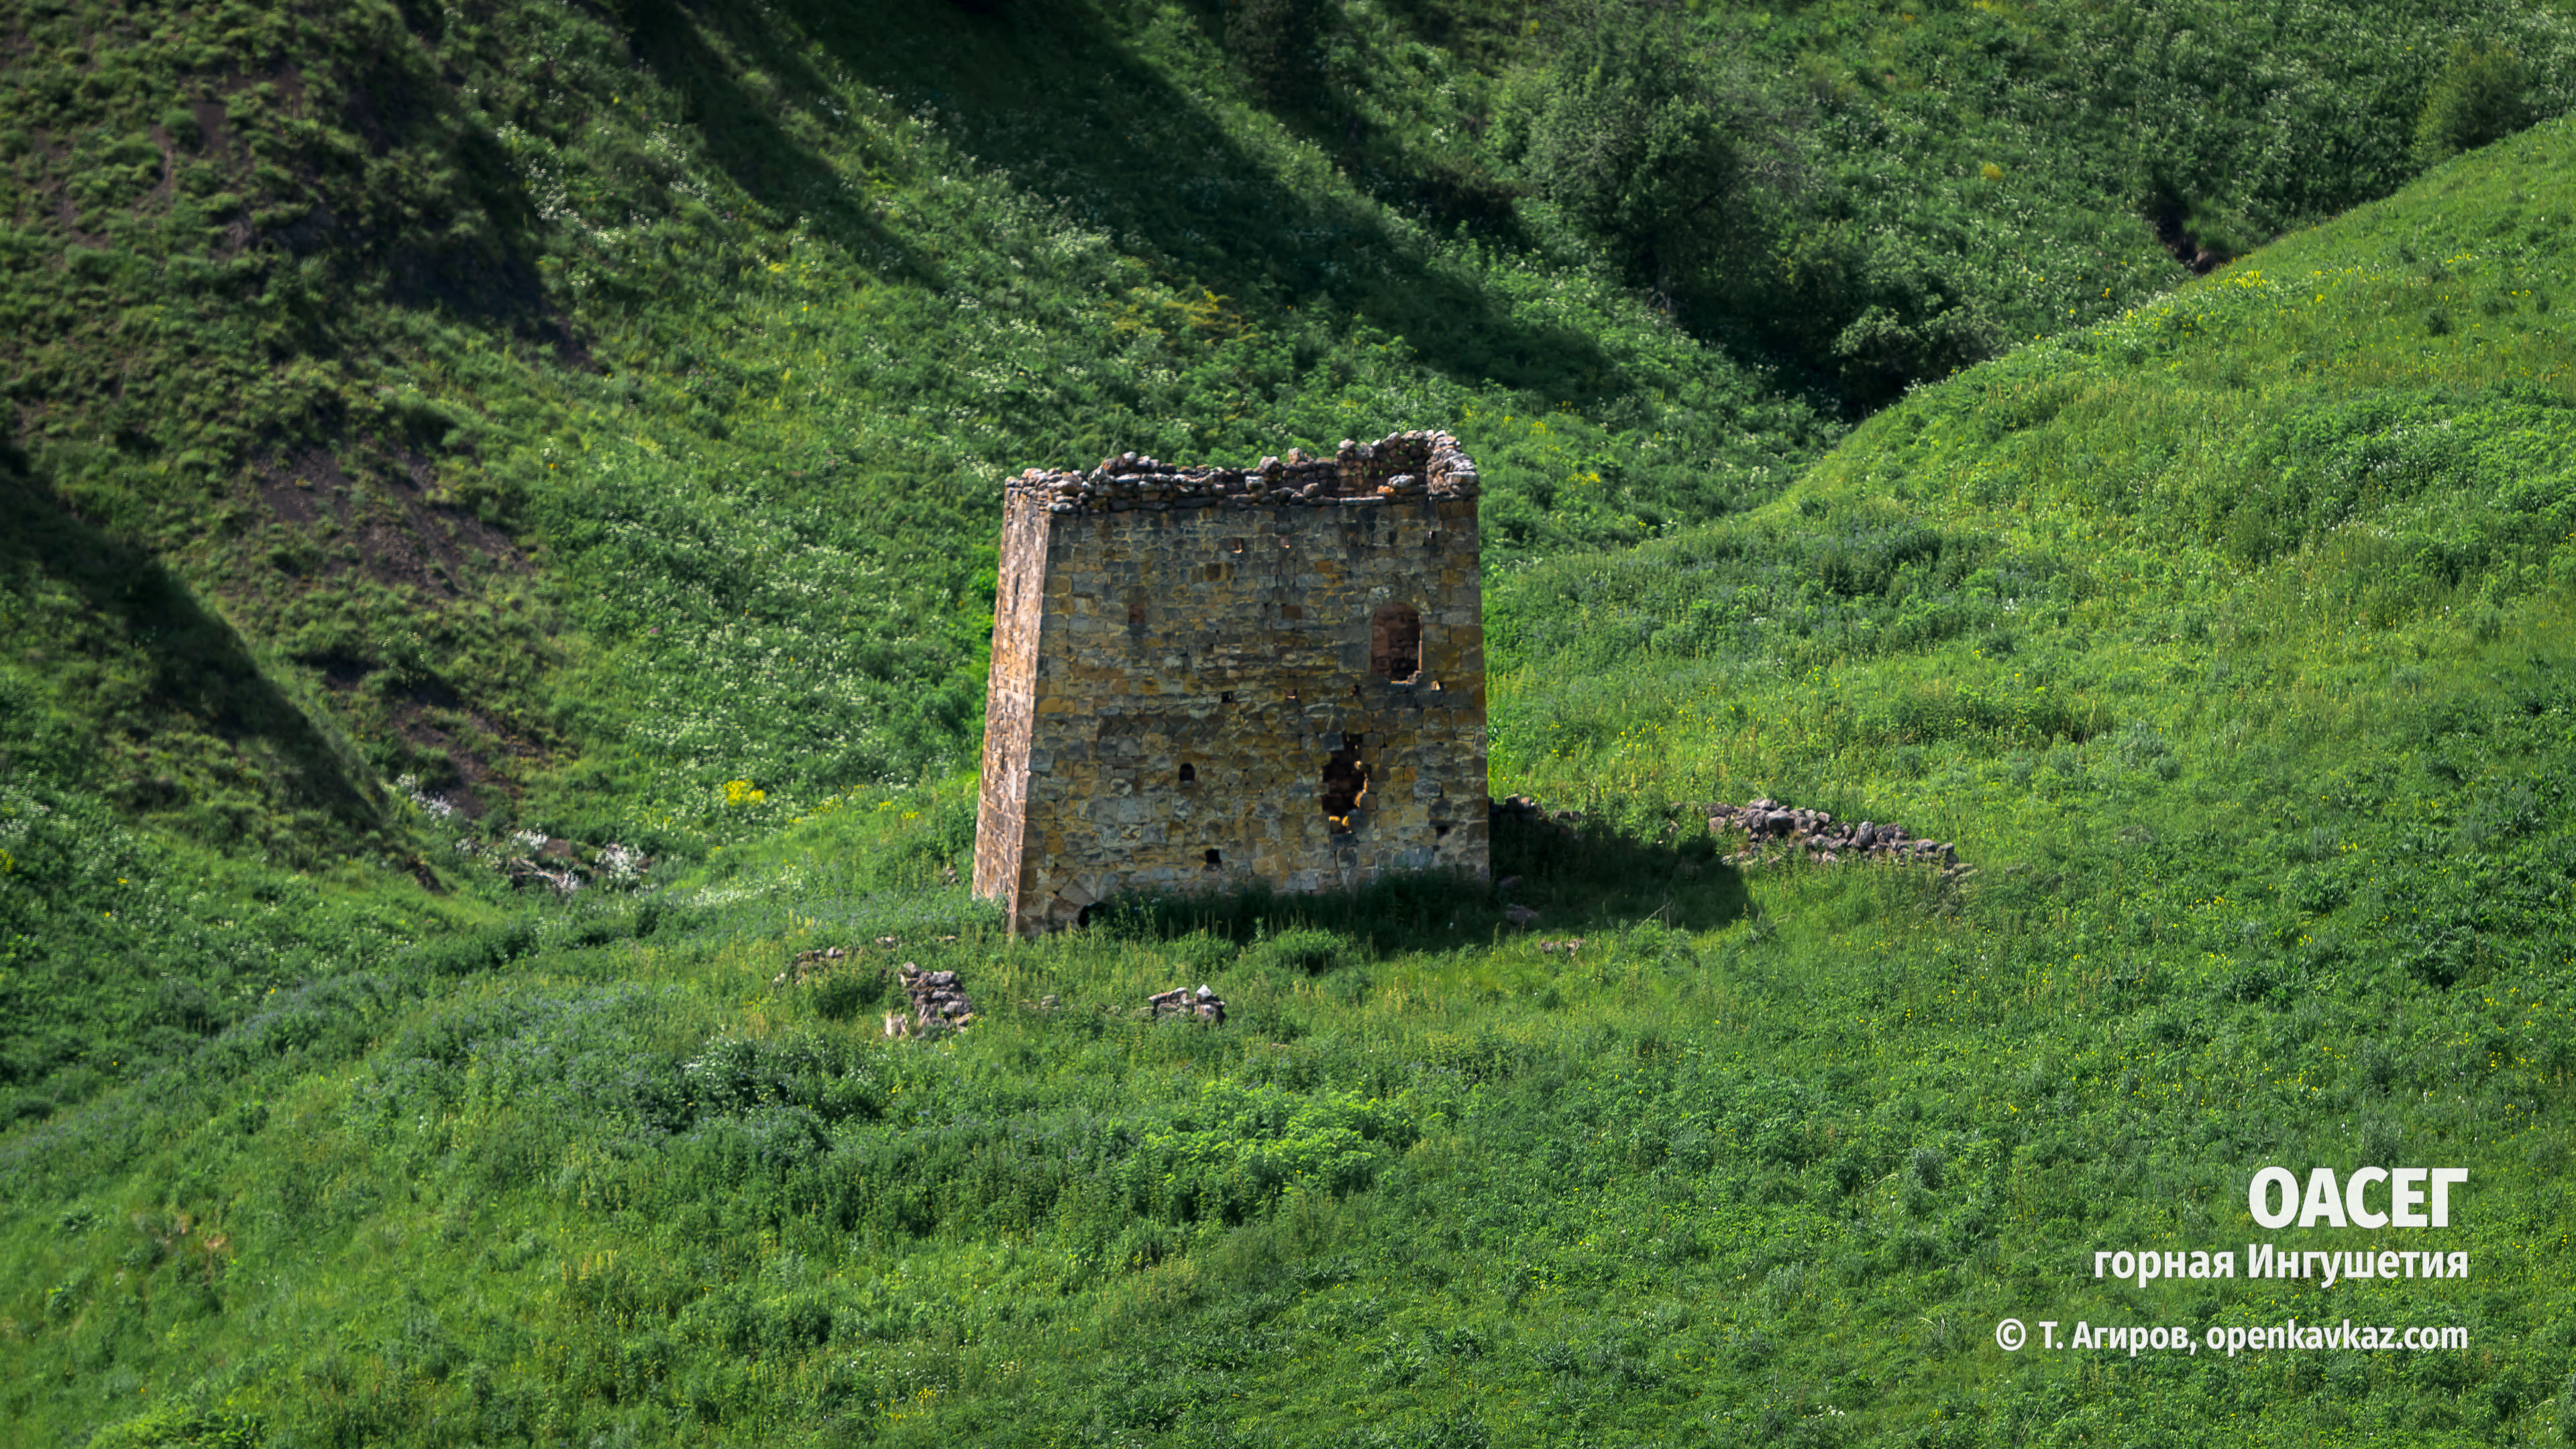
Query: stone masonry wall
x=1010, y=704
x=1204, y=676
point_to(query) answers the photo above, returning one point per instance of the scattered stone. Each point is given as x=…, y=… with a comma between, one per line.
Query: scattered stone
x=524, y=873
x=1204, y=1004
x=1520, y=915
x=1569, y=947
x=810, y=966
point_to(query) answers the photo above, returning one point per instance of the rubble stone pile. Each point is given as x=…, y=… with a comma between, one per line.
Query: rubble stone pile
x=527, y=859
x=938, y=1000
x=1403, y=465
x=812, y=966
x=1203, y=1003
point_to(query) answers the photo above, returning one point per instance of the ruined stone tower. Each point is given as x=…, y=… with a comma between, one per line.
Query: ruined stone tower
x=1205, y=676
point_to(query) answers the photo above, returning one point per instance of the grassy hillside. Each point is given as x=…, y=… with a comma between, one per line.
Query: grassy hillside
x=2228, y=638
x=591, y=418
x=580, y=412
x=604, y=442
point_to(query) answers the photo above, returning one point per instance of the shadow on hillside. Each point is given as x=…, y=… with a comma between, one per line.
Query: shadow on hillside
x=199, y=676
x=1421, y=185
x=397, y=101
x=741, y=129
x=1048, y=93
x=1597, y=879
x=1578, y=885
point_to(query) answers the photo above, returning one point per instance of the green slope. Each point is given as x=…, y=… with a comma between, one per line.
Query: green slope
x=590, y=416
x=578, y=410
x=578, y=414
x=2228, y=638
x=607, y=408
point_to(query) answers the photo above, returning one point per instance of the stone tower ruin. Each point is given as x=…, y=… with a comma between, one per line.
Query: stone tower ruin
x=1205, y=676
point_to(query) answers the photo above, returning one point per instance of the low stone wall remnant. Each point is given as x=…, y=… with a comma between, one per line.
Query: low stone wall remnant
x=1774, y=831
x=810, y=967
x=1770, y=826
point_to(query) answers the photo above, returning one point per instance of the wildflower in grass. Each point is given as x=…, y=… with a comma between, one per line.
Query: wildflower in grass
x=739, y=793
x=437, y=807
x=621, y=863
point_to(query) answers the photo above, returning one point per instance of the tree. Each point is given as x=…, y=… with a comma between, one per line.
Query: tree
x=1637, y=138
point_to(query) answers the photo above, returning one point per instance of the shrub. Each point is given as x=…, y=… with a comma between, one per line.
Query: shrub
x=178, y=1426
x=2142, y=747
x=848, y=992
x=1637, y=139
x=2477, y=99
x=1278, y=45
x=1304, y=950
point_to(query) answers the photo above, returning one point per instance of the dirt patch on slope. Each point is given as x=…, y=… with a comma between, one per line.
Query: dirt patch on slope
x=382, y=523
x=400, y=536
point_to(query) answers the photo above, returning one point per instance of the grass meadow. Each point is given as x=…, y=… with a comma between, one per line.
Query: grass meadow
x=496, y=437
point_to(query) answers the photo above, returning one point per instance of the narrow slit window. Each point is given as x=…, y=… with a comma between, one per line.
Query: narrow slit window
x=1189, y=773
x=1395, y=643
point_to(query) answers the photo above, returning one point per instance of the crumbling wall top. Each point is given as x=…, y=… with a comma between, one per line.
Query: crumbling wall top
x=1403, y=465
